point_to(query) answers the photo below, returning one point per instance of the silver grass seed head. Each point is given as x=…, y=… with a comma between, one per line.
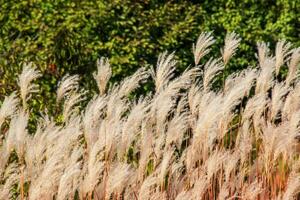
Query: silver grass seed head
x=8, y=107
x=28, y=75
x=164, y=70
x=232, y=41
x=282, y=51
x=103, y=74
x=67, y=85
x=201, y=48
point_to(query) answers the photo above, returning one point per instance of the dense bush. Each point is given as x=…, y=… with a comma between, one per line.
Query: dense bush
x=67, y=36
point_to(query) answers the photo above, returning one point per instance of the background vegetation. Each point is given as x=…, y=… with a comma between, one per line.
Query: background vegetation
x=65, y=36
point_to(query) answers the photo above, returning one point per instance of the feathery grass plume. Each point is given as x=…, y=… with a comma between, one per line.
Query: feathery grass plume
x=286, y=142
x=245, y=77
x=244, y=143
x=278, y=93
x=66, y=86
x=177, y=126
x=164, y=106
x=293, y=186
x=164, y=101
x=293, y=127
x=68, y=182
x=265, y=80
x=103, y=74
x=111, y=127
x=282, y=51
x=132, y=82
x=224, y=192
x=91, y=119
x=39, y=145
x=53, y=165
x=116, y=106
x=230, y=165
x=52, y=170
x=110, y=133
x=230, y=82
x=292, y=102
x=205, y=132
x=67, y=136
x=293, y=64
x=293, y=123
x=70, y=179
x=8, y=107
x=234, y=97
x=164, y=70
x=176, y=179
x=184, y=195
x=148, y=187
x=19, y=123
x=164, y=167
x=4, y=156
x=119, y=176
x=251, y=191
x=200, y=186
x=35, y=154
x=258, y=117
x=10, y=139
x=194, y=98
x=70, y=108
x=232, y=41
x=70, y=133
x=28, y=74
x=132, y=125
x=204, y=41
x=263, y=52
x=244, y=82
x=289, y=106
x=158, y=145
x=93, y=167
x=11, y=178
x=269, y=143
x=146, y=148
x=185, y=80
x=254, y=106
x=248, y=76
x=214, y=163
x=205, y=100
x=211, y=69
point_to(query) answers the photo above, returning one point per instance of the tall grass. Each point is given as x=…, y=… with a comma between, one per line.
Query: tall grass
x=186, y=140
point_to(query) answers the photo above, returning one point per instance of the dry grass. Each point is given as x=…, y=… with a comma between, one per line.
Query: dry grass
x=184, y=141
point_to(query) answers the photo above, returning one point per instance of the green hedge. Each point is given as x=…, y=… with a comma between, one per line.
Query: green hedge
x=65, y=36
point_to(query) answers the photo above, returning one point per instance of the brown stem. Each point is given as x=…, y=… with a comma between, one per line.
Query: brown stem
x=90, y=195
x=22, y=184
x=135, y=195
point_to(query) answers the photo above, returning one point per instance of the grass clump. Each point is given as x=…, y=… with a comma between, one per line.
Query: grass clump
x=186, y=140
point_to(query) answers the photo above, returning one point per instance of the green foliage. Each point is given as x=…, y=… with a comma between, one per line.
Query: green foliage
x=66, y=36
